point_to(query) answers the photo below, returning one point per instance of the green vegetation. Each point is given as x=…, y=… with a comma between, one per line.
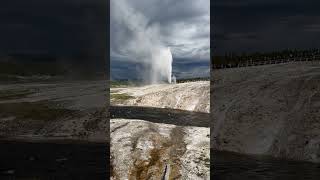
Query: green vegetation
x=193, y=79
x=124, y=83
x=41, y=110
x=128, y=83
x=121, y=97
x=116, y=84
x=13, y=94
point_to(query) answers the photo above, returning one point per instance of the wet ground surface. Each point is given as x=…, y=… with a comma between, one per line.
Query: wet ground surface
x=231, y=166
x=161, y=115
x=53, y=160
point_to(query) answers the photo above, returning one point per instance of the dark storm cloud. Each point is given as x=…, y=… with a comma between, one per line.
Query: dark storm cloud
x=186, y=68
x=170, y=11
x=183, y=25
x=52, y=26
x=263, y=25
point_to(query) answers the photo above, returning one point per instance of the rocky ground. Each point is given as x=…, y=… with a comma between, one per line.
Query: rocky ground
x=162, y=143
x=268, y=110
x=191, y=96
x=144, y=150
x=65, y=110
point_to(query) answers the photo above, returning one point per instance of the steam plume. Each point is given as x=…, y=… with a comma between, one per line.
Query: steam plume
x=143, y=45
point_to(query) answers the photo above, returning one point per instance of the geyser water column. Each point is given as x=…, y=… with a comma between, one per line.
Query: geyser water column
x=134, y=38
x=169, y=71
x=161, y=65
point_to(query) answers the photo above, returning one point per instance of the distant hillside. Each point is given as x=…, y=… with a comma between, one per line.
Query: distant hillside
x=78, y=67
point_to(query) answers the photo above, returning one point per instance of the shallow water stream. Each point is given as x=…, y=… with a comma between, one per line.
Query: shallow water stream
x=161, y=115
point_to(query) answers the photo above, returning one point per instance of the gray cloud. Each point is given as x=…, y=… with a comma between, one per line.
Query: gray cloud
x=265, y=25
x=182, y=25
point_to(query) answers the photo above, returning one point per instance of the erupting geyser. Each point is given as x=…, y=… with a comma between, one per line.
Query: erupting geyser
x=161, y=65
x=134, y=38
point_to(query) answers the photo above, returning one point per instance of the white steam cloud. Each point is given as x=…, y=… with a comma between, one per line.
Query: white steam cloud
x=141, y=44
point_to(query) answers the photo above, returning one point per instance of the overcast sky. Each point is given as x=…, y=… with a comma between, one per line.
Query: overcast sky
x=56, y=27
x=265, y=25
x=182, y=25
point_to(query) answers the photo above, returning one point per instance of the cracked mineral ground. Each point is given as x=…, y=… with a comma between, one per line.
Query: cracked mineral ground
x=160, y=131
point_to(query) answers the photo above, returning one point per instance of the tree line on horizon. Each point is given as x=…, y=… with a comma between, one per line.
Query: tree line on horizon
x=232, y=59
